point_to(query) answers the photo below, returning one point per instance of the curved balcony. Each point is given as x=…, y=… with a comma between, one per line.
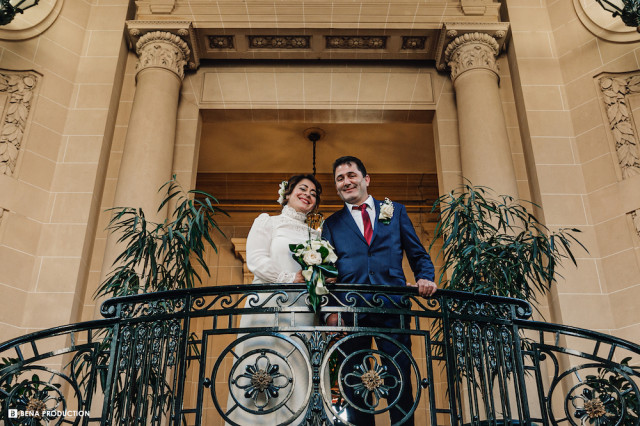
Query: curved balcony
x=182, y=358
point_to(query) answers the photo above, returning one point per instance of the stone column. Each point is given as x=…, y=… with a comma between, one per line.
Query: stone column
x=484, y=143
x=147, y=160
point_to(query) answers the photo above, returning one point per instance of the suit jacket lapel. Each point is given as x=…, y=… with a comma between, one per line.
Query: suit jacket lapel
x=377, y=224
x=351, y=223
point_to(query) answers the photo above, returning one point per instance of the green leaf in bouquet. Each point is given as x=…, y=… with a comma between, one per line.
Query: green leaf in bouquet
x=324, y=252
x=295, y=247
x=329, y=270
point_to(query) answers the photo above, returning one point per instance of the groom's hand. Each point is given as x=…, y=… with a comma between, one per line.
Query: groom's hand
x=426, y=288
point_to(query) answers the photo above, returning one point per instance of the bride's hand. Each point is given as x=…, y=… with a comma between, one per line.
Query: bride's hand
x=331, y=280
x=299, y=278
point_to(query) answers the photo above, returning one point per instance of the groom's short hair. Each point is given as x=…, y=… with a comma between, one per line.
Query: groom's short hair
x=349, y=159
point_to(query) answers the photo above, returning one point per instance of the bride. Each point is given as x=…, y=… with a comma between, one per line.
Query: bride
x=267, y=367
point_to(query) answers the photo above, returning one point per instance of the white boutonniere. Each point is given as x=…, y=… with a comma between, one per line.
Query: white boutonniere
x=386, y=211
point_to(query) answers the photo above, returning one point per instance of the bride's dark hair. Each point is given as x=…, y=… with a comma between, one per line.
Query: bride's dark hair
x=295, y=180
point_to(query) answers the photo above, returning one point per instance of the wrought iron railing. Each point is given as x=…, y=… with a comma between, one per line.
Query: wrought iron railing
x=256, y=355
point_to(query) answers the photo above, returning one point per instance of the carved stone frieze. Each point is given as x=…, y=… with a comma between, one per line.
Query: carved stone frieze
x=220, y=42
x=413, y=43
x=614, y=91
x=356, y=42
x=279, y=42
x=19, y=88
x=162, y=49
x=472, y=51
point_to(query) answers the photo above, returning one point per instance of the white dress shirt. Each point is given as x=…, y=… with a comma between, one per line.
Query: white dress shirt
x=357, y=215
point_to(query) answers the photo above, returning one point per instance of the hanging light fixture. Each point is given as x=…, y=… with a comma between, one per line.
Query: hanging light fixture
x=9, y=9
x=314, y=134
x=627, y=10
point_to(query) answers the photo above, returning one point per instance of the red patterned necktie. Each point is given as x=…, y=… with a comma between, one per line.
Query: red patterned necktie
x=366, y=221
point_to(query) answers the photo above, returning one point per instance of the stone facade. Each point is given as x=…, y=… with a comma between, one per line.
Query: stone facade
x=98, y=103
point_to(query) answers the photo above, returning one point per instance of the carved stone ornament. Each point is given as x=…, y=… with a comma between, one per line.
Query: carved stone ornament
x=220, y=42
x=280, y=42
x=160, y=49
x=413, y=43
x=19, y=88
x=472, y=51
x=356, y=42
x=1, y=214
x=635, y=217
x=614, y=92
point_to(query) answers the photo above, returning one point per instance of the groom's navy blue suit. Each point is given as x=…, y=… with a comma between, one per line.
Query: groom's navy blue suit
x=379, y=263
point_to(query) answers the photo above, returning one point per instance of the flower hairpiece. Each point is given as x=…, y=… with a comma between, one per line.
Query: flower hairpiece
x=281, y=190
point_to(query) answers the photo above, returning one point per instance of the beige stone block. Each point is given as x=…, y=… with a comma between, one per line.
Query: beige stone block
x=621, y=270
x=86, y=122
x=55, y=57
x=24, y=199
x=62, y=240
x=57, y=89
x=540, y=72
x=599, y=172
x=82, y=149
x=344, y=87
x=564, y=179
x=107, y=18
x=124, y=113
x=423, y=92
x=23, y=48
x=532, y=44
x=566, y=210
x=611, y=51
x=560, y=12
x=12, y=305
x=625, y=63
x=50, y=115
x=38, y=312
x=613, y=236
x=76, y=12
x=17, y=268
x=401, y=87
x=626, y=311
x=569, y=35
x=583, y=278
x=58, y=274
x=43, y=141
x=317, y=88
x=450, y=158
x=604, y=204
x=96, y=70
x=74, y=178
x=580, y=91
x=105, y=43
x=115, y=159
x=13, y=61
x=448, y=132
x=21, y=233
x=94, y=96
x=552, y=150
x=446, y=109
x=533, y=17
x=262, y=87
x=592, y=144
x=289, y=86
x=578, y=309
x=550, y=123
x=119, y=137
x=36, y=170
x=519, y=166
x=184, y=158
x=71, y=208
x=587, y=237
x=580, y=61
x=66, y=33
x=629, y=333
x=586, y=116
x=548, y=98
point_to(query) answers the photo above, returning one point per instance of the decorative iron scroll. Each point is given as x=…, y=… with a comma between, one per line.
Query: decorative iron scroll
x=196, y=357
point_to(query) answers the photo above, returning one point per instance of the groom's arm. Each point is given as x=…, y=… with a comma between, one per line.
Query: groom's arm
x=419, y=259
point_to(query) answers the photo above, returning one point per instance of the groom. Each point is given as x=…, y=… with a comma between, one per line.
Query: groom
x=369, y=248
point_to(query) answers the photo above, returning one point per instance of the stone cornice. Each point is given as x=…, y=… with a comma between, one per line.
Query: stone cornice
x=453, y=35
x=181, y=34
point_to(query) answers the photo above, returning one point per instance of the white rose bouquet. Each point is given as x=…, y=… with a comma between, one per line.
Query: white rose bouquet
x=317, y=259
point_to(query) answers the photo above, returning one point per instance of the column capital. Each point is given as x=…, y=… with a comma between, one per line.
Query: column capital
x=164, y=44
x=464, y=47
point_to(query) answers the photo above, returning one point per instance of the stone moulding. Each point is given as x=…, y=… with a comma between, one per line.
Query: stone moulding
x=19, y=88
x=220, y=42
x=614, y=93
x=413, y=43
x=161, y=49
